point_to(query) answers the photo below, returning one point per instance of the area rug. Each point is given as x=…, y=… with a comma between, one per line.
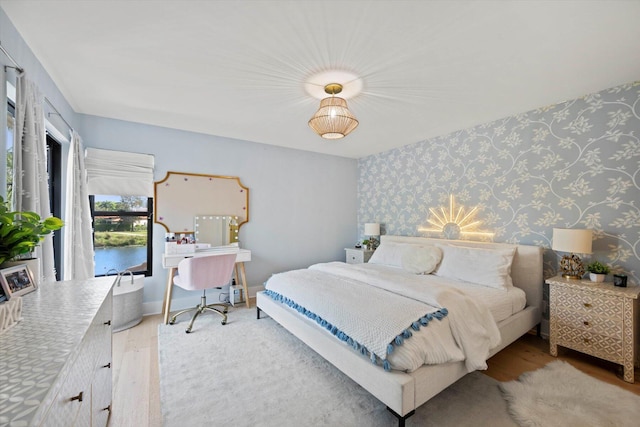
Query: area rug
x=254, y=373
x=561, y=395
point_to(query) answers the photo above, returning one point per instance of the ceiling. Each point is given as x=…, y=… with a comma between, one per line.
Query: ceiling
x=240, y=69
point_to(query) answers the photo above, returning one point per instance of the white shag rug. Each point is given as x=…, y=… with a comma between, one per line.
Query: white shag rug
x=254, y=373
x=561, y=395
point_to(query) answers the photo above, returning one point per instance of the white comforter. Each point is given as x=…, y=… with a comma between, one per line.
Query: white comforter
x=373, y=304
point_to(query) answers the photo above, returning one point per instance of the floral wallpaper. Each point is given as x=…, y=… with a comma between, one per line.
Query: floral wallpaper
x=569, y=165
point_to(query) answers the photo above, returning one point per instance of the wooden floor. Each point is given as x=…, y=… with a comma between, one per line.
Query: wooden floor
x=136, y=384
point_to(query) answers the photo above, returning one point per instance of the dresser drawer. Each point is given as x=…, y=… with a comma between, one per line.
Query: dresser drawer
x=596, y=304
x=357, y=256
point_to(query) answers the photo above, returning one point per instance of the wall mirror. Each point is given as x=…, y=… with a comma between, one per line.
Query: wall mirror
x=181, y=197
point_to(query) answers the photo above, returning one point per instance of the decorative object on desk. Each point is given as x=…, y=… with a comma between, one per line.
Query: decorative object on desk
x=365, y=244
x=372, y=230
x=620, y=280
x=17, y=281
x=597, y=271
x=10, y=313
x=574, y=241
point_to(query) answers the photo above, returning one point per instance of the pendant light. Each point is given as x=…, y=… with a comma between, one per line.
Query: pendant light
x=333, y=120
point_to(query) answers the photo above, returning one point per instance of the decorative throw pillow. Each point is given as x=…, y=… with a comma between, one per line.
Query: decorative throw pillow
x=482, y=266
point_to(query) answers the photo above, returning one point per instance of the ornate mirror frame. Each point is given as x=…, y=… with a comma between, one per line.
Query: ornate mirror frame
x=180, y=196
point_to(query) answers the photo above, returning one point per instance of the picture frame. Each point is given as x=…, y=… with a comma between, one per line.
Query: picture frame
x=17, y=281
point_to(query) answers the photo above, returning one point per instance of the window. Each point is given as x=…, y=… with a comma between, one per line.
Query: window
x=122, y=233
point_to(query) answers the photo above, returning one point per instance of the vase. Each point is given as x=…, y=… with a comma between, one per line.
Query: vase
x=32, y=263
x=594, y=277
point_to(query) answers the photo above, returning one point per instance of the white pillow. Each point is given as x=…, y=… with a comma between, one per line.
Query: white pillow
x=482, y=266
x=414, y=258
x=421, y=259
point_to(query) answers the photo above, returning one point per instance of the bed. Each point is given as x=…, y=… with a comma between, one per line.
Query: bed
x=403, y=390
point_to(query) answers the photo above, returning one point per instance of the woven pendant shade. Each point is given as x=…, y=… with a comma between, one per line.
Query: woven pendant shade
x=333, y=120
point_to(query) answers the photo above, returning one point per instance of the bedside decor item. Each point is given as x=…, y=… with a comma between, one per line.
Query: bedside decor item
x=372, y=230
x=17, y=281
x=574, y=241
x=597, y=271
x=333, y=120
x=620, y=280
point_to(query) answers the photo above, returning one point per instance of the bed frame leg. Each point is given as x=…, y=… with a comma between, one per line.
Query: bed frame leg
x=539, y=330
x=401, y=419
x=258, y=313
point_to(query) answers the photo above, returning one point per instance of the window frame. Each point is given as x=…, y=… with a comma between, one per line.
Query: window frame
x=149, y=215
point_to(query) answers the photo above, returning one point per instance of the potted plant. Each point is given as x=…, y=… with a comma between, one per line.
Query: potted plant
x=597, y=271
x=21, y=232
x=365, y=244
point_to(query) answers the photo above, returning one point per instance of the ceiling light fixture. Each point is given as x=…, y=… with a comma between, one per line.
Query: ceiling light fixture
x=333, y=120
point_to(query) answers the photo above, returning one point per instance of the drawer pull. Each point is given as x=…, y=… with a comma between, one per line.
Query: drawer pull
x=588, y=305
x=108, y=408
x=586, y=323
x=78, y=397
x=108, y=323
x=586, y=340
x=108, y=365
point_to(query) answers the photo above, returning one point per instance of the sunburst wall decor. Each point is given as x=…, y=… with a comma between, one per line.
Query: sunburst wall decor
x=454, y=222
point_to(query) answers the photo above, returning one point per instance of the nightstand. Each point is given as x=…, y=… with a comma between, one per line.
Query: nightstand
x=357, y=255
x=595, y=318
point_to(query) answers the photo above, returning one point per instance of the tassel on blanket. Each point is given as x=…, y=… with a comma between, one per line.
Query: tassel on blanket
x=398, y=340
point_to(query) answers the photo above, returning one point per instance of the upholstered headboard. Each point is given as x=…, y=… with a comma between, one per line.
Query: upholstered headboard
x=526, y=270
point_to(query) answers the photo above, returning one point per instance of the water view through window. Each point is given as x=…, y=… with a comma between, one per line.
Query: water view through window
x=120, y=233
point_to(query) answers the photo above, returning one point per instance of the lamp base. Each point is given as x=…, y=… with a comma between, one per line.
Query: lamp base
x=571, y=276
x=572, y=267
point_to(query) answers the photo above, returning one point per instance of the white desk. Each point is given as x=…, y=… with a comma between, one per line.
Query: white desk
x=171, y=262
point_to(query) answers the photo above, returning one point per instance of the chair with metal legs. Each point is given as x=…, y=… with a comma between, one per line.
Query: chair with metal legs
x=202, y=273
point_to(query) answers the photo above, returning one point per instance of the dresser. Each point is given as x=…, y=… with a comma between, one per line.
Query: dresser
x=597, y=319
x=357, y=255
x=55, y=364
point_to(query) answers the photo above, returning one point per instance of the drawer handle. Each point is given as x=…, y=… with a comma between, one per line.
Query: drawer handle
x=586, y=323
x=78, y=397
x=586, y=304
x=108, y=323
x=586, y=340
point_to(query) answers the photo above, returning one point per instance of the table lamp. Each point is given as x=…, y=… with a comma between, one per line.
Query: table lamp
x=572, y=241
x=372, y=230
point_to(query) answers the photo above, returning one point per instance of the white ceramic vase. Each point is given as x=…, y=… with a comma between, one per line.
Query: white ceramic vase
x=597, y=277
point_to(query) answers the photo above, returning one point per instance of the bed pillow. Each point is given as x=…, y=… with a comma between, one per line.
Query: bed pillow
x=421, y=259
x=482, y=266
x=414, y=258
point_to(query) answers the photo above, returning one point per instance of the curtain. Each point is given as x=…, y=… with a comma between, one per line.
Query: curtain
x=30, y=179
x=78, y=254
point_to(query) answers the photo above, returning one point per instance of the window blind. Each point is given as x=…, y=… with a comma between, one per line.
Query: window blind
x=119, y=173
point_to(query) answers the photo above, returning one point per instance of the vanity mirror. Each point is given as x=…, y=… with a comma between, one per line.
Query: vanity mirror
x=180, y=199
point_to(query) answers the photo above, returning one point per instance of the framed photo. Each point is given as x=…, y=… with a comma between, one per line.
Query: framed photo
x=17, y=281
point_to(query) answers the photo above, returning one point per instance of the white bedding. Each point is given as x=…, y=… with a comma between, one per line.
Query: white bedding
x=467, y=333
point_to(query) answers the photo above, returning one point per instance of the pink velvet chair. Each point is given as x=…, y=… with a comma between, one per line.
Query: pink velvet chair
x=202, y=273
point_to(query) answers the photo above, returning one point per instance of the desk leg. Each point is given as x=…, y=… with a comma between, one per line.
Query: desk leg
x=166, y=303
x=243, y=275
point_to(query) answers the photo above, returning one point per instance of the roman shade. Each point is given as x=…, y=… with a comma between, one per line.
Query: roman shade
x=119, y=172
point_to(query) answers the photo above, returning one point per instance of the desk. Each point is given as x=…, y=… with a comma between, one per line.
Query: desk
x=171, y=262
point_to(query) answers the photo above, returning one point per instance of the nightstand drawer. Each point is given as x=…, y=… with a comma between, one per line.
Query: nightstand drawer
x=592, y=303
x=588, y=323
x=607, y=348
x=357, y=256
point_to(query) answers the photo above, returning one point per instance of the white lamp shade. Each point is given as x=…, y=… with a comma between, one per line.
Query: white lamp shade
x=572, y=240
x=371, y=229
